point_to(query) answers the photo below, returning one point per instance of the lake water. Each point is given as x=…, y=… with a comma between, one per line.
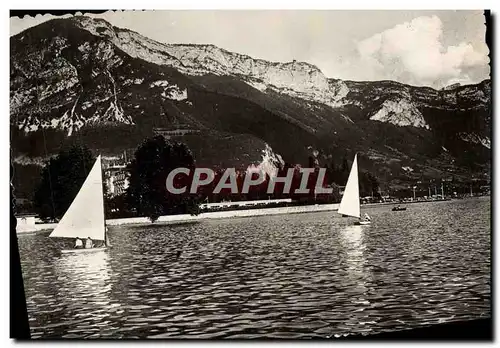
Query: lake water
x=287, y=276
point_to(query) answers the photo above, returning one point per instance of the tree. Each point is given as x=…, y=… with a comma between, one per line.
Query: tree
x=345, y=165
x=375, y=186
x=116, y=207
x=154, y=159
x=62, y=178
x=369, y=185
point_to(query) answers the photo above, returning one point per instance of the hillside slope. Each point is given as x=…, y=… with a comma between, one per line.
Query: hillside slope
x=83, y=80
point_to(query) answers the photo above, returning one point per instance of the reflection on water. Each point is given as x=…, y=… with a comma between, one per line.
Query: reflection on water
x=84, y=281
x=351, y=239
x=290, y=276
x=352, y=242
x=83, y=271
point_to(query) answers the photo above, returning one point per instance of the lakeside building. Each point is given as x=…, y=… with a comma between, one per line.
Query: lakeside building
x=243, y=204
x=179, y=130
x=26, y=223
x=116, y=180
x=115, y=174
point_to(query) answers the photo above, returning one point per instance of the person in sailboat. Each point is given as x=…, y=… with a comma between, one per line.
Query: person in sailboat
x=367, y=217
x=78, y=243
x=88, y=243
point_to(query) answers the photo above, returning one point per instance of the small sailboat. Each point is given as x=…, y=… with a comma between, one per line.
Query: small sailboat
x=349, y=205
x=85, y=216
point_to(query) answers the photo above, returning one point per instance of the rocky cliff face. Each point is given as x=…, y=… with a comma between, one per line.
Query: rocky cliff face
x=81, y=79
x=400, y=112
x=294, y=78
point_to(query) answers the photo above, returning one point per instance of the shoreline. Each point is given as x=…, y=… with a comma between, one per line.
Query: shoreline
x=183, y=218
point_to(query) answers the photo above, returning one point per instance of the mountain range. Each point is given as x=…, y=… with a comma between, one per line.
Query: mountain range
x=83, y=80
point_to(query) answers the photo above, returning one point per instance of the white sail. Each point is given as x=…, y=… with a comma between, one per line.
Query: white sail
x=85, y=216
x=349, y=205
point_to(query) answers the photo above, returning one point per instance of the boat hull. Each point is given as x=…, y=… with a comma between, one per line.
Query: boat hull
x=400, y=209
x=362, y=223
x=68, y=251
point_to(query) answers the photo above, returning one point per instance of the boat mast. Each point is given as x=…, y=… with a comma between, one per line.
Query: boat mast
x=103, y=210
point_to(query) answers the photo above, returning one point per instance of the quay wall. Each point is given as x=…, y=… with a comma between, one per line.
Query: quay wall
x=173, y=219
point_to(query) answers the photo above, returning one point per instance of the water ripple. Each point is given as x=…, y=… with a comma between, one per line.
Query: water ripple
x=297, y=276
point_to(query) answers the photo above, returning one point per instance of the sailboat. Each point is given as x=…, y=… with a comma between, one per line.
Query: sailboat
x=349, y=205
x=85, y=216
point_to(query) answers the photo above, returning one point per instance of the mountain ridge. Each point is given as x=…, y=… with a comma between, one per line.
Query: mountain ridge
x=70, y=83
x=247, y=56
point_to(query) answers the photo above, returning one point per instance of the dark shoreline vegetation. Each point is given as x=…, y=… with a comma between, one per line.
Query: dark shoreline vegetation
x=146, y=195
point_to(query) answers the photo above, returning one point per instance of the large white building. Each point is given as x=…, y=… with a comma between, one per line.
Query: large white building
x=25, y=223
x=116, y=179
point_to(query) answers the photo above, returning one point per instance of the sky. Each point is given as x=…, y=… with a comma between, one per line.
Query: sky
x=421, y=48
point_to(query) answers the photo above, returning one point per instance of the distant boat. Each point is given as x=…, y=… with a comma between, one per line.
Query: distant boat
x=398, y=208
x=85, y=216
x=349, y=205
